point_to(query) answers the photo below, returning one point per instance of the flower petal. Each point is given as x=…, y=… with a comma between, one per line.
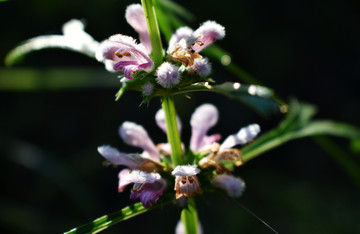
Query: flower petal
x=185, y=170
x=125, y=54
x=207, y=33
x=135, y=135
x=232, y=185
x=244, y=135
x=136, y=18
x=150, y=193
x=204, y=117
x=181, y=33
x=122, y=181
x=117, y=158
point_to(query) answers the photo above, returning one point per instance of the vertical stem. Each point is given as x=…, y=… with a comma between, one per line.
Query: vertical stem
x=189, y=214
x=172, y=129
x=189, y=218
x=154, y=33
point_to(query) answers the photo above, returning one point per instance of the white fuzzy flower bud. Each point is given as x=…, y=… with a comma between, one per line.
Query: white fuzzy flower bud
x=201, y=67
x=167, y=75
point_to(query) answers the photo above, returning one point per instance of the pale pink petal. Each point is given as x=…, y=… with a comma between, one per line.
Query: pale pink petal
x=135, y=135
x=204, y=117
x=181, y=33
x=136, y=18
x=208, y=33
x=117, y=158
x=122, y=180
x=125, y=54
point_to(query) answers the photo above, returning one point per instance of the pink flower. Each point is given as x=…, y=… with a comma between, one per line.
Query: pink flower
x=148, y=187
x=122, y=52
x=185, y=44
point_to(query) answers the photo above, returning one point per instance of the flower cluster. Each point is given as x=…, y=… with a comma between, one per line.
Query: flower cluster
x=121, y=52
x=150, y=173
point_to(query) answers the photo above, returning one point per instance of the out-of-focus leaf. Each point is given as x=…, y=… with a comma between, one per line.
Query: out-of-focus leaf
x=74, y=39
x=298, y=124
x=106, y=221
x=340, y=157
x=259, y=98
x=169, y=16
x=224, y=58
x=176, y=9
x=35, y=159
x=55, y=79
x=355, y=145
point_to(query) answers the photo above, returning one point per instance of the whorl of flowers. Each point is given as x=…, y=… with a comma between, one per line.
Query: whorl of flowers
x=150, y=172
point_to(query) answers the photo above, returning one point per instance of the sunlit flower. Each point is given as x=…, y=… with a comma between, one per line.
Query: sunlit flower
x=123, y=52
x=186, y=181
x=232, y=185
x=185, y=44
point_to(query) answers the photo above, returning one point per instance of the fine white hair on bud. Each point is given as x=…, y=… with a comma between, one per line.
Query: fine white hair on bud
x=201, y=67
x=185, y=170
x=167, y=75
x=233, y=186
x=148, y=89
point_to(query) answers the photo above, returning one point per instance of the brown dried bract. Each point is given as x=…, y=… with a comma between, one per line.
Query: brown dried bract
x=186, y=57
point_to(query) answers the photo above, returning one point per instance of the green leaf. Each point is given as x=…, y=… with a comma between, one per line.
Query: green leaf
x=56, y=79
x=169, y=16
x=106, y=221
x=298, y=124
x=259, y=98
x=45, y=42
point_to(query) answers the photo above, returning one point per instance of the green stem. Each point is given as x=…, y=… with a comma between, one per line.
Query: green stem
x=172, y=129
x=189, y=217
x=154, y=33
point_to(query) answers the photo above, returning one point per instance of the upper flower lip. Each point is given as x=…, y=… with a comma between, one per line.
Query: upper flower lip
x=123, y=52
x=185, y=170
x=185, y=44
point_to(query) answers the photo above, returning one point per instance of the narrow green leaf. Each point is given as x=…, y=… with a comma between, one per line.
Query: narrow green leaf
x=46, y=42
x=106, y=221
x=55, y=79
x=298, y=124
x=177, y=9
x=350, y=166
x=259, y=98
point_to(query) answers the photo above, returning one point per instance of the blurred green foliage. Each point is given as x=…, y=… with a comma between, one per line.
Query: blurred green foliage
x=52, y=175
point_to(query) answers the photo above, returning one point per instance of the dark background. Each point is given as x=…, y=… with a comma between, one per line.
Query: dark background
x=52, y=178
